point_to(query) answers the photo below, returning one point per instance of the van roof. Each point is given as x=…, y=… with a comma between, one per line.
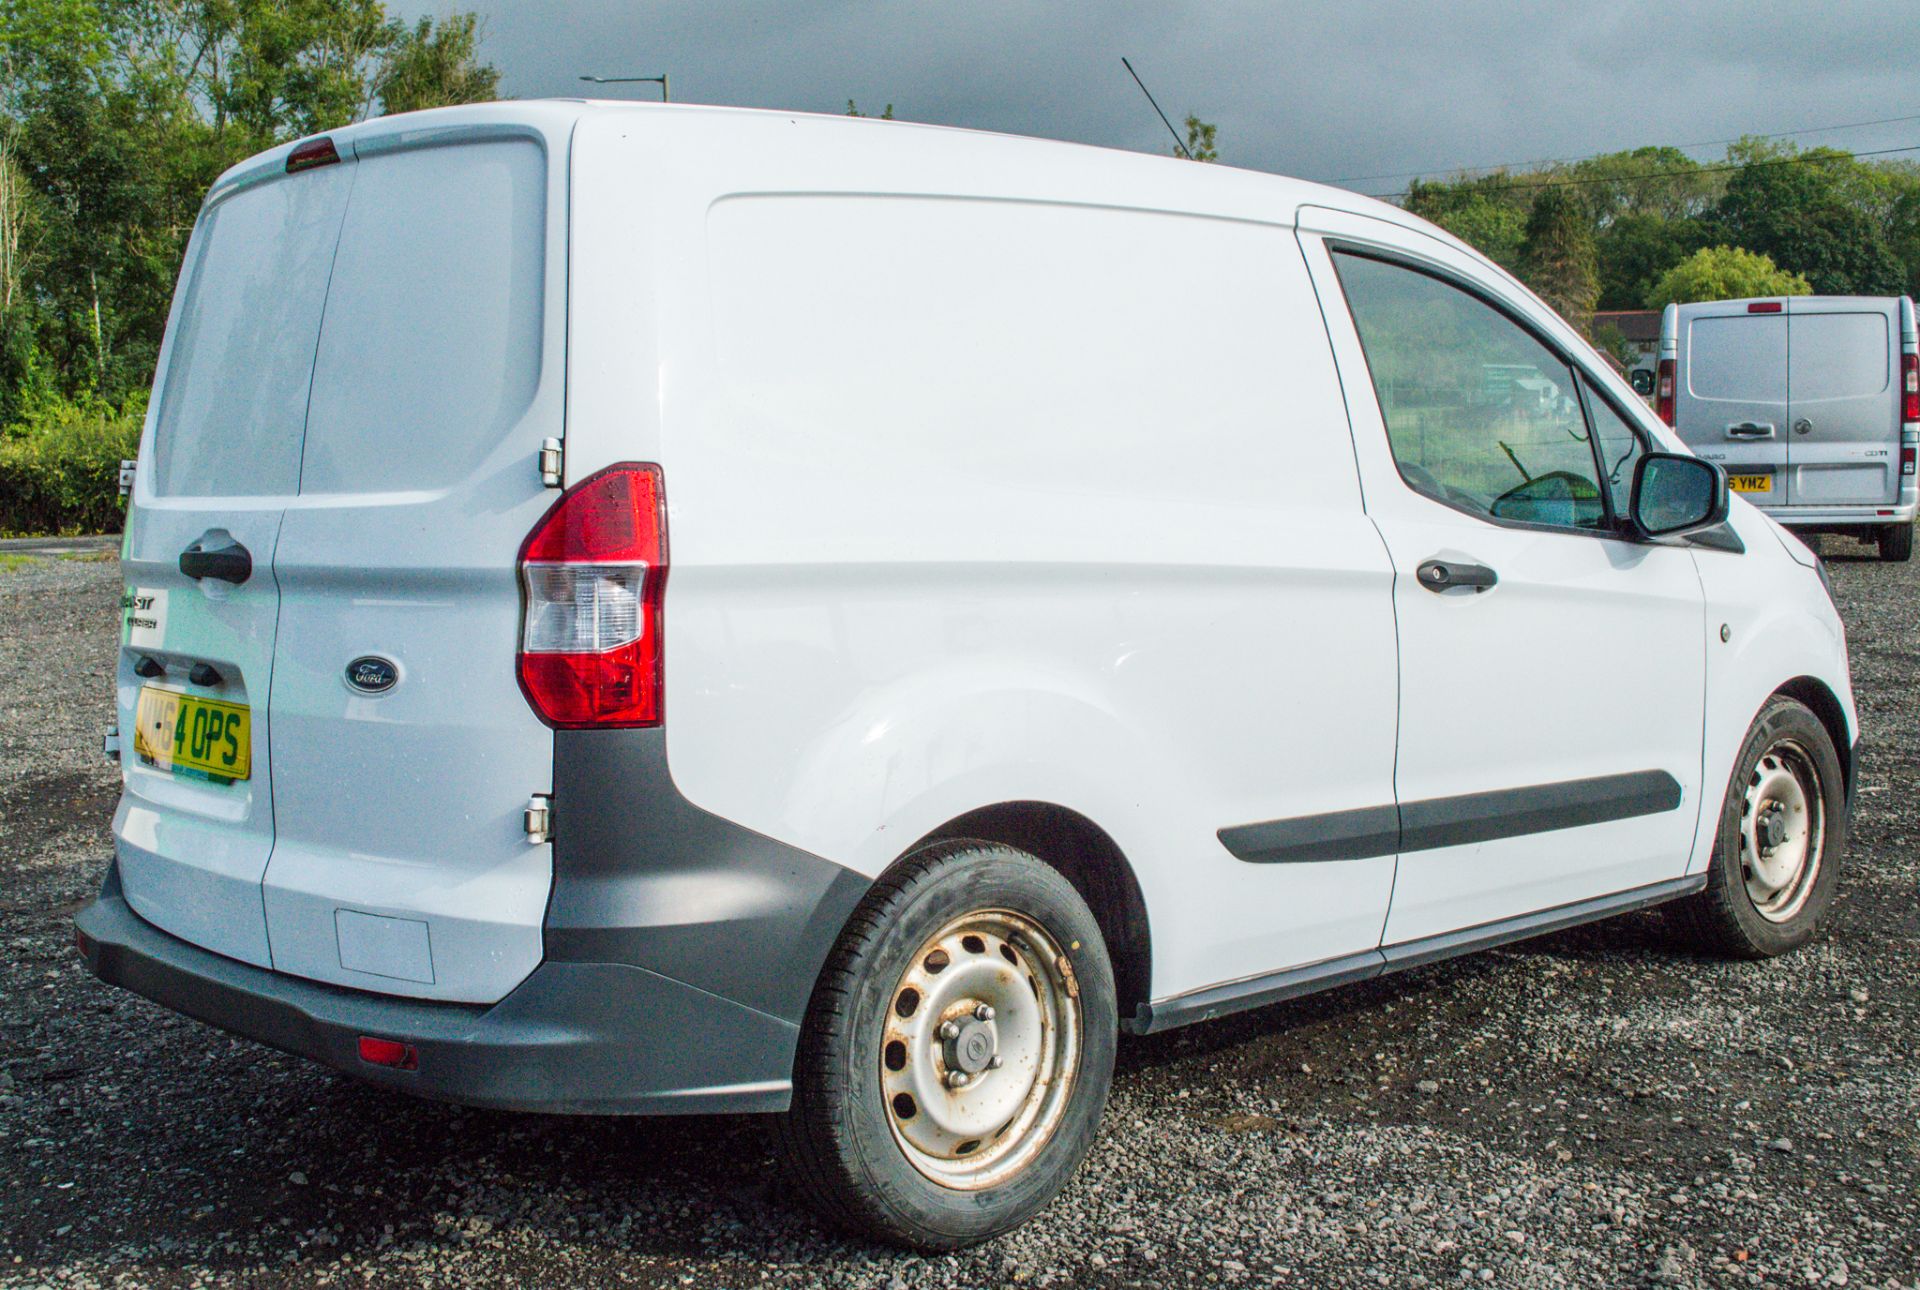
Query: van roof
x=1147, y=180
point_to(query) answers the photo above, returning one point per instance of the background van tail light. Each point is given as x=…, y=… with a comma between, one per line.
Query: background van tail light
x=1910, y=388
x=1663, y=391
x=592, y=573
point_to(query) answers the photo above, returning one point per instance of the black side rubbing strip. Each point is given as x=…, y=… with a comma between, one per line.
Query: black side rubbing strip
x=1453, y=821
x=1337, y=835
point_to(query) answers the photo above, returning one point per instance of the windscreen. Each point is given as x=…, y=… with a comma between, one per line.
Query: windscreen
x=430, y=351
x=235, y=393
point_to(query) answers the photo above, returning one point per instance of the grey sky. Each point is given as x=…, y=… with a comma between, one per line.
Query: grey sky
x=1326, y=89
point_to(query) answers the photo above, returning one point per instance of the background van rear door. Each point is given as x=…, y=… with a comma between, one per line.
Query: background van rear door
x=1730, y=403
x=1844, y=444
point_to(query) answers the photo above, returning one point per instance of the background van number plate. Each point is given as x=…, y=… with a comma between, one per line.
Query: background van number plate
x=192, y=736
x=1750, y=483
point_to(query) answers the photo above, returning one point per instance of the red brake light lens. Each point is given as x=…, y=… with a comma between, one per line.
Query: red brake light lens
x=1663, y=391
x=1910, y=387
x=593, y=572
x=312, y=153
x=1764, y=307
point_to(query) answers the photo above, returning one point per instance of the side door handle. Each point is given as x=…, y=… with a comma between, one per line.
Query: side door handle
x=218, y=555
x=1442, y=575
x=1750, y=430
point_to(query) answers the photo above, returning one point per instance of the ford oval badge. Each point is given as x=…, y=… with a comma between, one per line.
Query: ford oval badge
x=371, y=674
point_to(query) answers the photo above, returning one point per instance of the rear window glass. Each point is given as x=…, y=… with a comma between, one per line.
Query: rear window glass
x=235, y=392
x=1743, y=357
x=430, y=351
x=1840, y=356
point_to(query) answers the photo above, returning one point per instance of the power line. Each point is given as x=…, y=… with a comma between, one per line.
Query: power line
x=1568, y=161
x=1671, y=174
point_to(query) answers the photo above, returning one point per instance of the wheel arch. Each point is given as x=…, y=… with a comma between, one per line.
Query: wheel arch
x=1085, y=855
x=1816, y=695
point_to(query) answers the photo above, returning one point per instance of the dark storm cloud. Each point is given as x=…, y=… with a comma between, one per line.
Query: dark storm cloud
x=1327, y=90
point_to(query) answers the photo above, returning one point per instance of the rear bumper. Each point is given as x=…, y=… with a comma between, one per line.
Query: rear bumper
x=1839, y=516
x=574, y=1037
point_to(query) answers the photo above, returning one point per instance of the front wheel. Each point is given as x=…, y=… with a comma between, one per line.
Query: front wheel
x=1783, y=830
x=1896, y=543
x=957, y=1051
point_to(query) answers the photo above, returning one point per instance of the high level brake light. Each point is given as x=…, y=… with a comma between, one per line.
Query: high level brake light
x=1663, y=391
x=593, y=571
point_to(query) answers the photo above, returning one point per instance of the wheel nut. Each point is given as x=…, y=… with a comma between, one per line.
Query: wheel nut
x=997, y=1062
x=957, y=1079
x=949, y=1030
x=983, y=1013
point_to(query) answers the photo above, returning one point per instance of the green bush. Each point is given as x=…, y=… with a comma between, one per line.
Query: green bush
x=60, y=466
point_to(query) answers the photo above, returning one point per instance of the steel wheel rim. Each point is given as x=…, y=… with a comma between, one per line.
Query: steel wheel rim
x=992, y=998
x=1782, y=830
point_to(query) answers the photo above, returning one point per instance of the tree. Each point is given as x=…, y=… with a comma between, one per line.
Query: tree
x=429, y=66
x=1724, y=273
x=1791, y=207
x=1634, y=250
x=1484, y=212
x=1200, y=140
x=854, y=111
x=119, y=114
x=1557, y=256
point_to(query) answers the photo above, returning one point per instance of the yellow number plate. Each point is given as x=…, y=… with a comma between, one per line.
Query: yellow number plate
x=197, y=737
x=1750, y=483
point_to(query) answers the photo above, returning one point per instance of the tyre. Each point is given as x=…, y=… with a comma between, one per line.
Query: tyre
x=1896, y=542
x=955, y=1057
x=1783, y=832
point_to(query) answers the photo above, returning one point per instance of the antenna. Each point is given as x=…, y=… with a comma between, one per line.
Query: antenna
x=666, y=95
x=1156, y=107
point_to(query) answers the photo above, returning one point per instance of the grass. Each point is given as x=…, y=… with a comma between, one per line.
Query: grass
x=10, y=561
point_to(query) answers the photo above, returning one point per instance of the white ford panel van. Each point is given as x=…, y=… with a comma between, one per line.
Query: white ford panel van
x=640, y=609
x=1812, y=403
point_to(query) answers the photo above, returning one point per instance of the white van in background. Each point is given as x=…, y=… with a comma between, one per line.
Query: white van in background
x=1811, y=403
x=657, y=609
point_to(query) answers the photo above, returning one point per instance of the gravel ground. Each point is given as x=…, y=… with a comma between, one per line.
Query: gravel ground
x=1593, y=1109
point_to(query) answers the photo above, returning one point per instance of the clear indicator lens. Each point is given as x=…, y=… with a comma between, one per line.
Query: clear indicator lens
x=583, y=608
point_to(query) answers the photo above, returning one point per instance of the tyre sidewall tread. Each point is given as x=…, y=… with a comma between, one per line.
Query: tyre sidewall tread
x=837, y=1137
x=1722, y=917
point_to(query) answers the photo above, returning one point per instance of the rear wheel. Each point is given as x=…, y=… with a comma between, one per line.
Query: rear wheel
x=1783, y=829
x=1896, y=542
x=956, y=1055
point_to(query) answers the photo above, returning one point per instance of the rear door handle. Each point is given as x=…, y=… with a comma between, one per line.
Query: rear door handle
x=1441, y=575
x=1750, y=430
x=219, y=556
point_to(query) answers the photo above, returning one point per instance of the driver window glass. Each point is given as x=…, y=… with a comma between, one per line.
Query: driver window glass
x=1481, y=416
x=1620, y=448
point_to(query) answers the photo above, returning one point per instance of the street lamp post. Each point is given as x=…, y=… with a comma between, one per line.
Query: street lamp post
x=666, y=95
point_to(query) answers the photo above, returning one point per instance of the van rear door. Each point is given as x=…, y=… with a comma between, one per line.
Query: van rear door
x=404, y=754
x=219, y=464
x=1730, y=401
x=1843, y=402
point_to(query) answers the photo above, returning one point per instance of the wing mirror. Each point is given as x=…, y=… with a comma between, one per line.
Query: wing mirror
x=1675, y=494
x=1642, y=378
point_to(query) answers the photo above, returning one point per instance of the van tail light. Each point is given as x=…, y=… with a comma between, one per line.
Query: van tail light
x=1663, y=391
x=1910, y=388
x=593, y=572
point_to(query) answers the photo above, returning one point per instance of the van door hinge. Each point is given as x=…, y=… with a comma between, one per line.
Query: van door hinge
x=127, y=469
x=553, y=459
x=539, y=818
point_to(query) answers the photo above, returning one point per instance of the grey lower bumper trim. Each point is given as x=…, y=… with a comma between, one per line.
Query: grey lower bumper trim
x=583, y=1038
